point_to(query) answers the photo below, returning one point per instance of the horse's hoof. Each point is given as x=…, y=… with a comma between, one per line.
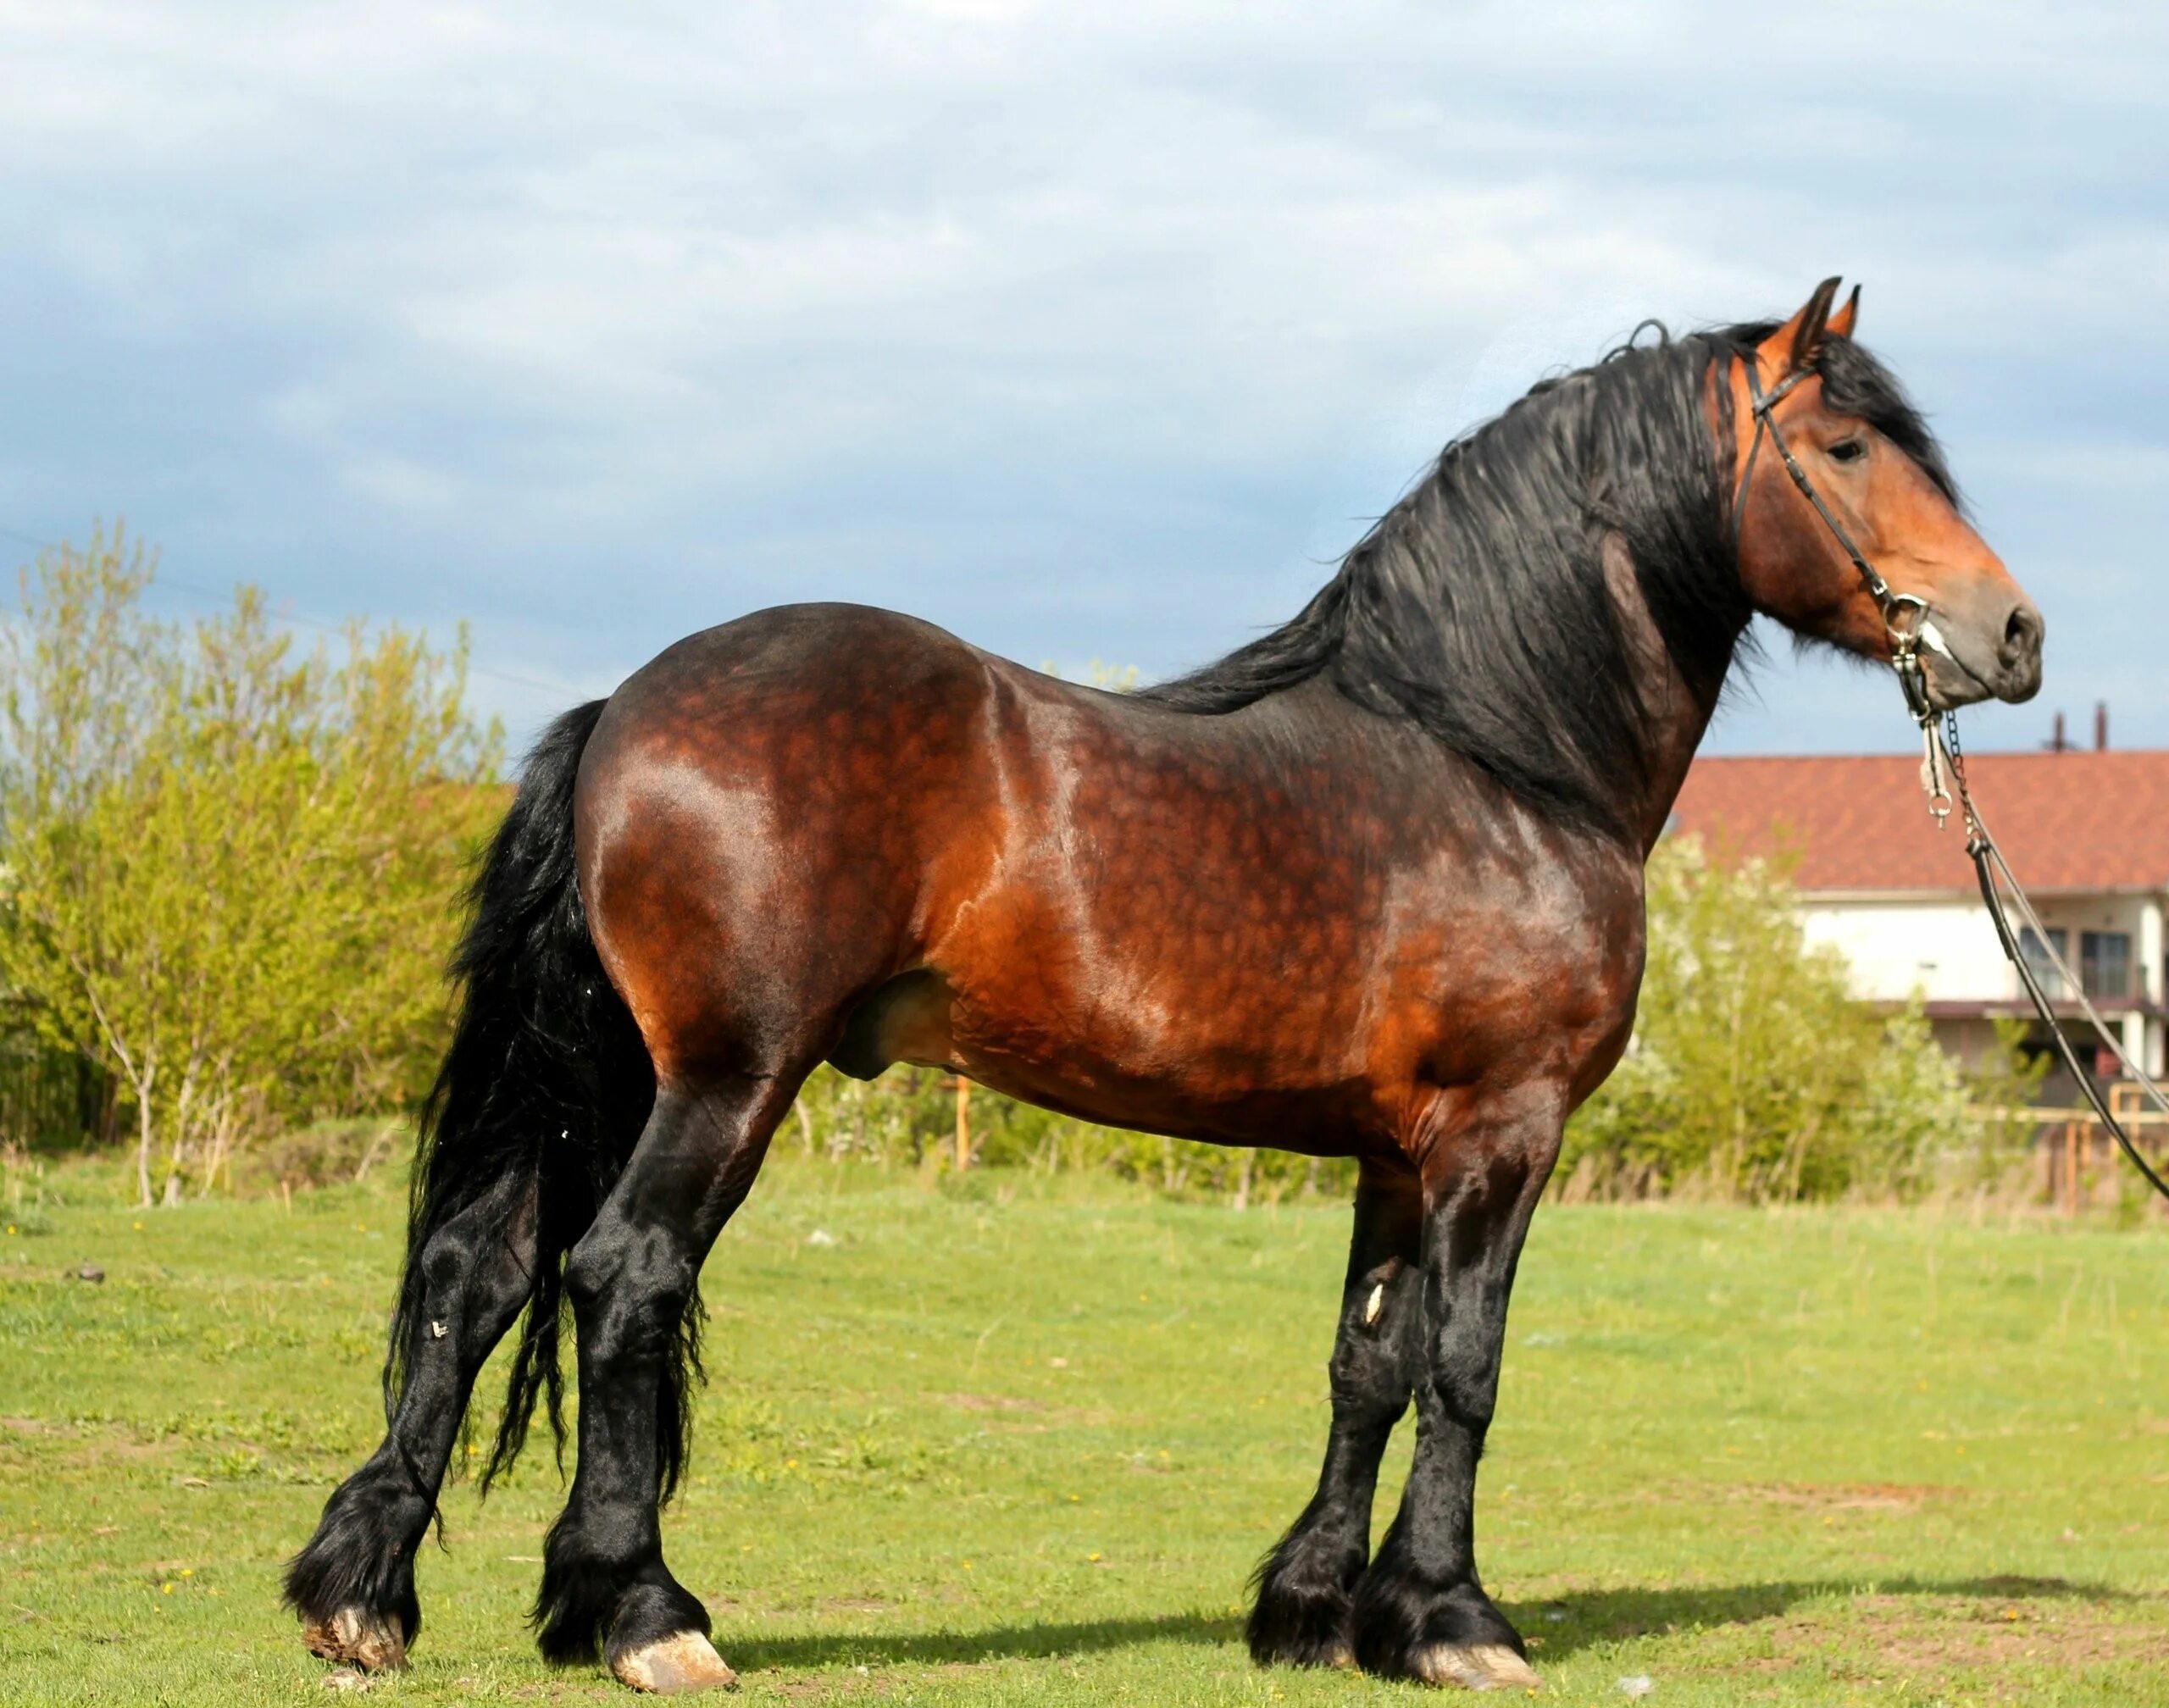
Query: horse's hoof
x=1474, y=1667
x=374, y=1645
x=676, y=1667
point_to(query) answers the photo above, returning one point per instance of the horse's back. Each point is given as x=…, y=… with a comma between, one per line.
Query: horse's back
x=801, y=658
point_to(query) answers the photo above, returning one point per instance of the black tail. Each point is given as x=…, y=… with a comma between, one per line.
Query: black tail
x=542, y=1096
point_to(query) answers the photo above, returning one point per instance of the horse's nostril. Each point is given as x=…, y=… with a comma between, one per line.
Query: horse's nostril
x=2022, y=632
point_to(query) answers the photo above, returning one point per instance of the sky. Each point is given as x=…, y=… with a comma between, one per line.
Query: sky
x=1089, y=333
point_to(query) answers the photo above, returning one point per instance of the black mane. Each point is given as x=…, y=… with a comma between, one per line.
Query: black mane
x=1476, y=606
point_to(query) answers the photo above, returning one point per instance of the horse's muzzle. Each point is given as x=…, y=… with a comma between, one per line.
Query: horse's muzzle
x=1991, y=649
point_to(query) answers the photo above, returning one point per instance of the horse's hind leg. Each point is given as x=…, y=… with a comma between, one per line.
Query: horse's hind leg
x=353, y=1584
x=604, y=1583
x=1305, y=1586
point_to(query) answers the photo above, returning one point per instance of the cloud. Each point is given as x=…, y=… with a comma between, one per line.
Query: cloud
x=1085, y=333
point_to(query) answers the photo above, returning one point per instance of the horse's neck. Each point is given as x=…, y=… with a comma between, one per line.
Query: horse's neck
x=1677, y=715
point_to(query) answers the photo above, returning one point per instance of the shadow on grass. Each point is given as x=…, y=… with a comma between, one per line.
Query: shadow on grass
x=1037, y=1642
x=1566, y=1623
x=1585, y=1618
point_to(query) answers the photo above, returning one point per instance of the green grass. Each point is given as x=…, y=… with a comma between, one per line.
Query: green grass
x=981, y=1450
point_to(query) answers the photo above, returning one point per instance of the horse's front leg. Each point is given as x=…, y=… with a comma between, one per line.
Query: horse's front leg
x=1306, y=1586
x=1420, y=1612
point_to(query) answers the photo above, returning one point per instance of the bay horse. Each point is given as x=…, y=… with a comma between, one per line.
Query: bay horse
x=1370, y=887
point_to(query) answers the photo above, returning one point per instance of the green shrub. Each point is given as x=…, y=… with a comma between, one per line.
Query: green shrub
x=1754, y=1074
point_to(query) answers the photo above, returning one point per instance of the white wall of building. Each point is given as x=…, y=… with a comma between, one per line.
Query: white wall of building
x=1944, y=949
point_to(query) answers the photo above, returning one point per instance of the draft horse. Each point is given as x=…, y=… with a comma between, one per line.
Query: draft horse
x=1370, y=887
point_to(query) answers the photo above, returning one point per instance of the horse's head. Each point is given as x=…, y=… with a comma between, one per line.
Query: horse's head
x=1865, y=454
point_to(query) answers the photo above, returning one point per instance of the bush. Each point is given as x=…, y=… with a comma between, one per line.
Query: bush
x=334, y=1152
x=1753, y=1073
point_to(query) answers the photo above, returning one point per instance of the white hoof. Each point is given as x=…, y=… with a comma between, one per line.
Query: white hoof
x=350, y=1635
x=1475, y=1666
x=676, y=1667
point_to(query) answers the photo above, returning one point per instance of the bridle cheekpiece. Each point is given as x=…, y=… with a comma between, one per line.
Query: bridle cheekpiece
x=1905, y=615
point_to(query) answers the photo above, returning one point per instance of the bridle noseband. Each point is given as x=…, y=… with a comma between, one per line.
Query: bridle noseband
x=1905, y=615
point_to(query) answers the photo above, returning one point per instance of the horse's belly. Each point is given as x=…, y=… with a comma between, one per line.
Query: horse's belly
x=1262, y=1061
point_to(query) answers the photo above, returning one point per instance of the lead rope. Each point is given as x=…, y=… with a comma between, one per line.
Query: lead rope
x=1942, y=772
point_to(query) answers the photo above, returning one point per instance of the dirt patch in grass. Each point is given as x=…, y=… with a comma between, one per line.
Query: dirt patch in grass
x=1009, y=1414
x=1803, y=1497
x=991, y=1402
x=1846, y=1497
x=1934, y=1639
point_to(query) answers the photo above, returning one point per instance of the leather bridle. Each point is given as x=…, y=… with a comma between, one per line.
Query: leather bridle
x=1905, y=615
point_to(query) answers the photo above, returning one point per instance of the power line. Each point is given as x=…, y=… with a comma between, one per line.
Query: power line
x=159, y=578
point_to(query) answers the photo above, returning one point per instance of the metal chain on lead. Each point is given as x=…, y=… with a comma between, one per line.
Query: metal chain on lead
x=1956, y=755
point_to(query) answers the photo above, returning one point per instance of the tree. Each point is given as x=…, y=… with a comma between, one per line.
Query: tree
x=1752, y=1070
x=231, y=865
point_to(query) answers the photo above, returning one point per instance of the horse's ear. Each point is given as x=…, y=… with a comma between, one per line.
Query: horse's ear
x=1842, y=323
x=1794, y=345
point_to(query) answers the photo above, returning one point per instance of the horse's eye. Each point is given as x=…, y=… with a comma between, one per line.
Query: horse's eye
x=1847, y=451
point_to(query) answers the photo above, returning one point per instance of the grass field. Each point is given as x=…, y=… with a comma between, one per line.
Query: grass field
x=997, y=1448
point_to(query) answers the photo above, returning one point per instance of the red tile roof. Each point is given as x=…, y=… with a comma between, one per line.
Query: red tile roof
x=2065, y=820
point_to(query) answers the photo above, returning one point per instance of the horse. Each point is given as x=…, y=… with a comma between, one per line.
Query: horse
x=1370, y=887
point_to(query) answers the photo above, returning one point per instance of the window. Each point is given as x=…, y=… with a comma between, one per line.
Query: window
x=2104, y=962
x=2037, y=957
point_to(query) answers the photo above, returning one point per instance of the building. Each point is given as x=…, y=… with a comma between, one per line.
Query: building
x=2086, y=832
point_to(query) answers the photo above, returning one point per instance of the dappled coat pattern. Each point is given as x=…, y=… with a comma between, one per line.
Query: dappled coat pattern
x=1371, y=887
